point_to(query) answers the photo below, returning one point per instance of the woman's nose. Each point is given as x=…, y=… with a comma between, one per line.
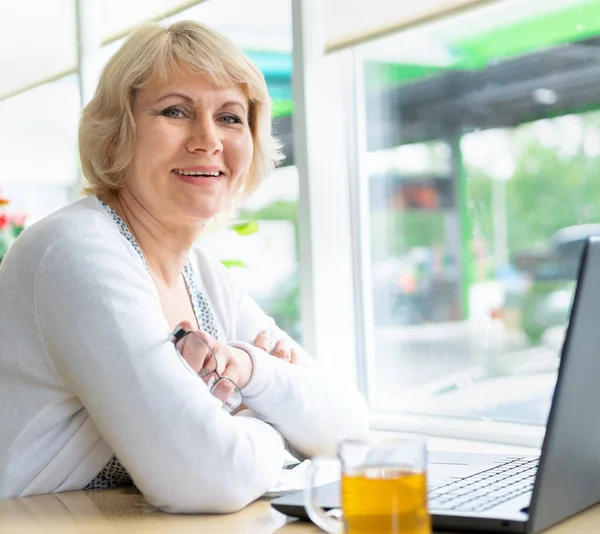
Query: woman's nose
x=205, y=137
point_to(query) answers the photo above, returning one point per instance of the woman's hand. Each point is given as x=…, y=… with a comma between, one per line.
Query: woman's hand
x=232, y=363
x=282, y=349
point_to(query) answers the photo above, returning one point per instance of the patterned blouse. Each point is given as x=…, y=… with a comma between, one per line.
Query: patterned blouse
x=114, y=474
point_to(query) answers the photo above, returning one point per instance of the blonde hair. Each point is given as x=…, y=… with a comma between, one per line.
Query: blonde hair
x=107, y=128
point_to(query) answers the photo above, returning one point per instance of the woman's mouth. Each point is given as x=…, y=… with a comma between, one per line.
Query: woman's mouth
x=204, y=174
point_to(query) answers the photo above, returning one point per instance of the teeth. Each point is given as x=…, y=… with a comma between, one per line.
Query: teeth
x=197, y=173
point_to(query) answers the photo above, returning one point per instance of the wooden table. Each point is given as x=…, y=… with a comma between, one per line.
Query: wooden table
x=126, y=511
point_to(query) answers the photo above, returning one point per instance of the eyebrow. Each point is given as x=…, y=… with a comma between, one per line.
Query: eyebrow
x=233, y=103
x=229, y=103
x=169, y=95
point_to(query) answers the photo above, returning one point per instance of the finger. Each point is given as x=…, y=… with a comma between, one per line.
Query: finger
x=294, y=355
x=195, y=351
x=210, y=341
x=182, y=326
x=262, y=341
x=282, y=350
x=224, y=389
x=186, y=325
x=196, y=347
x=231, y=372
x=215, y=361
x=214, y=347
x=222, y=356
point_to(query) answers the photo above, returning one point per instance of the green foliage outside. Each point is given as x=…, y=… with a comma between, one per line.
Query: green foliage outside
x=280, y=210
x=284, y=306
x=547, y=192
x=247, y=227
x=395, y=233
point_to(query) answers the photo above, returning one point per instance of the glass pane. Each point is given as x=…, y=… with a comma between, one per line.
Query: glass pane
x=354, y=21
x=240, y=20
x=259, y=25
x=37, y=41
x=116, y=17
x=483, y=151
x=266, y=261
x=39, y=167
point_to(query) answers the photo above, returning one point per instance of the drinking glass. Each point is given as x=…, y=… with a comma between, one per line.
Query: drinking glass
x=383, y=487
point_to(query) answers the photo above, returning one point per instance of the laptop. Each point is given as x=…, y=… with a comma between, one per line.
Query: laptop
x=494, y=493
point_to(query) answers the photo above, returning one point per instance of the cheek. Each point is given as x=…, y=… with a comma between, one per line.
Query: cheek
x=242, y=152
x=152, y=143
x=151, y=153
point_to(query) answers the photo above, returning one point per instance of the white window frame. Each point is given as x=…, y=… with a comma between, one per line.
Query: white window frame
x=337, y=309
x=320, y=153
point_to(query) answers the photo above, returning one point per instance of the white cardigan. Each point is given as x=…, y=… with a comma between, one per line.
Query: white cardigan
x=87, y=370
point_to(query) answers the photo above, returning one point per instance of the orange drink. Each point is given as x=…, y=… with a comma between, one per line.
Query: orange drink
x=383, y=486
x=385, y=500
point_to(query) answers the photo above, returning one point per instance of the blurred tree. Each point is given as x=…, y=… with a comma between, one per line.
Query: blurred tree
x=284, y=304
x=549, y=190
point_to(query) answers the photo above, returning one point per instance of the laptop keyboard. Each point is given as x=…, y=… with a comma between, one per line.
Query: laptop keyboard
x=486, y=489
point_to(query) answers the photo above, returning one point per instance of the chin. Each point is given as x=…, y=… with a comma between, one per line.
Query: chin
x=200, y=210
x=203, y=216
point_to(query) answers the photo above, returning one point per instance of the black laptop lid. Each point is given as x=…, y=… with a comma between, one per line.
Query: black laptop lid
x=568, y=478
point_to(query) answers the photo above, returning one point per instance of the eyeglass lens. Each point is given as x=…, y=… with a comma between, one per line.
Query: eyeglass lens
x=193, y=348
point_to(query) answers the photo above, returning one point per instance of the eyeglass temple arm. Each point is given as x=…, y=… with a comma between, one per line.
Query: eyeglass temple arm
x=178, y=334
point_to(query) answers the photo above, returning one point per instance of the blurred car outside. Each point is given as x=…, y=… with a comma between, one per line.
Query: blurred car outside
x=546, y=302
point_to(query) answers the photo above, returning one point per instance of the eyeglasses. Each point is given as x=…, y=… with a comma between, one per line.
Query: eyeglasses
x=189, y=345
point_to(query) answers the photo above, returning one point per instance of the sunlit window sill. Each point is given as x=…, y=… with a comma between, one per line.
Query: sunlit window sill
x=449, y=434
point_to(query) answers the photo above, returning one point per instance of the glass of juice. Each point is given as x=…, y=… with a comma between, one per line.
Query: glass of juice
x=383, y=487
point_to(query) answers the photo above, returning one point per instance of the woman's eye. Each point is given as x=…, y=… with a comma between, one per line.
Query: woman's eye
x=172, y=113
x=230, y=119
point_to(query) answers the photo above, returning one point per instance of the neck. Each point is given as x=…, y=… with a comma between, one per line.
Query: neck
x=165, y=248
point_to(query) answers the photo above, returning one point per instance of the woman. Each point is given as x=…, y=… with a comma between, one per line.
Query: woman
x=94, y=298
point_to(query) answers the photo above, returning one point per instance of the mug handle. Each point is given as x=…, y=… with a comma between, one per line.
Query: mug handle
x=317, y=515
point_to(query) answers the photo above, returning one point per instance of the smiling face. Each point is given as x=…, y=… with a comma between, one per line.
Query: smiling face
x=192, y=150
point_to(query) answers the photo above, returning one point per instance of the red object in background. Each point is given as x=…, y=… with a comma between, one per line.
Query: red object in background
x=416, y=196
x=496, y=313
x=14, y=221
x=421, y=196
x=17, y=219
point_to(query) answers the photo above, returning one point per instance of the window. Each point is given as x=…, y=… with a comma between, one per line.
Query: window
x=39, y=167
x=482, y=153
